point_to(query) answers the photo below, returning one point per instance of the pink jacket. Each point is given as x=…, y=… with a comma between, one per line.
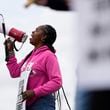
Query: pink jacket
x=45, y=77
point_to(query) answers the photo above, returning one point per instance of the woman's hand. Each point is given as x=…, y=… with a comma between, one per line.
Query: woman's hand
x=9, y=48
x=28, y=94
x=9, y=44
x=37, y=2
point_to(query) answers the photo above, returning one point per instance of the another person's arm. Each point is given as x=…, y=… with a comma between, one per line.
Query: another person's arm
x=53, y=4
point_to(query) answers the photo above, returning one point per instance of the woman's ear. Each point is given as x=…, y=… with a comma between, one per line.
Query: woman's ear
x=43, y=38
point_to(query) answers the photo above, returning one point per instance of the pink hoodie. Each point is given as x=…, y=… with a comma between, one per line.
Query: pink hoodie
x=45, y=77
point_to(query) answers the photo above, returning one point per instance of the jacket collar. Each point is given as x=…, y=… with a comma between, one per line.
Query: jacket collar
x=40, y=49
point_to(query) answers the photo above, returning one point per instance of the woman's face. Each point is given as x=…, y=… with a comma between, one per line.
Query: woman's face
x=37, y=36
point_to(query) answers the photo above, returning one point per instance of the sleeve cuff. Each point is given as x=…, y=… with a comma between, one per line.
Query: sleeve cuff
x=58, y=5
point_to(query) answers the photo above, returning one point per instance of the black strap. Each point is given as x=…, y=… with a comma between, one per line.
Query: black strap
x=66, y=98
x=28, y=56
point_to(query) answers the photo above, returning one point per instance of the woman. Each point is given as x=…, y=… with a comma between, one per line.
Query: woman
x=45, y=77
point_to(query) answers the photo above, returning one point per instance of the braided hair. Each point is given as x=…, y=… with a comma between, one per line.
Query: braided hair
x=51, y=35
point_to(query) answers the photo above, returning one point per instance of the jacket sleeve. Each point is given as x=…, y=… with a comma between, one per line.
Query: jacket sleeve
x=54, y=75
x=58, y=5
x=14, y=67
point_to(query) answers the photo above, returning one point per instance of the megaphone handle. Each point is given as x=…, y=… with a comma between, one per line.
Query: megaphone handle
x=6, y=52
x=4, y=29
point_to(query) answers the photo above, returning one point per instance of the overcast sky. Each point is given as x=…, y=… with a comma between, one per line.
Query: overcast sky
x=15, y=15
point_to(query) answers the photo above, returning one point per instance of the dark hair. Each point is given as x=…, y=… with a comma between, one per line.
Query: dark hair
x=51, y=35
